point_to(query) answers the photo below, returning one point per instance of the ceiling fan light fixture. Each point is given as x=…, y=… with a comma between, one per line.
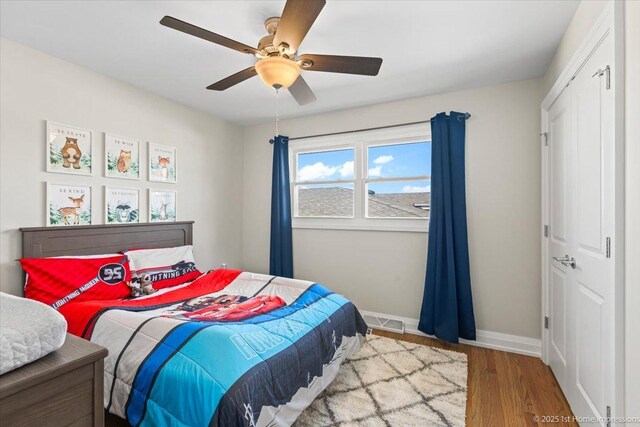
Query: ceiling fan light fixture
x=278, y=63
x=277, y=72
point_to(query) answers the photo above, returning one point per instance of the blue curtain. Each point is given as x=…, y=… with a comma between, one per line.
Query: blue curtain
x=447, y=307
x=281, y=256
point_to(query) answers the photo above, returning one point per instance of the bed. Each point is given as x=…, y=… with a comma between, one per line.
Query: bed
x=166, y=367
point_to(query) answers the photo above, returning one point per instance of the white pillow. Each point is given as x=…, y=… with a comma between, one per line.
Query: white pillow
x=29, y=330
x=166, y=266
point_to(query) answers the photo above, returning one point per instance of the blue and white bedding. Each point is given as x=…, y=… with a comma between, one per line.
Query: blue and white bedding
x=166, y=369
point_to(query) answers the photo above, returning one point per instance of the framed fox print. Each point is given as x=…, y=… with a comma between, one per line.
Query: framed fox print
x=69, y=149
x=162, y=206
x=122, y=157
x=162, y=163
x=68, y=205
x=122, y=205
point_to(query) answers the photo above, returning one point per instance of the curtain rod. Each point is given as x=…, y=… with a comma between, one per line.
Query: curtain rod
x=466, y=117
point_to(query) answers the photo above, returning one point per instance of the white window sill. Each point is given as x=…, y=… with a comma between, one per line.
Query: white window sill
x=410, y=226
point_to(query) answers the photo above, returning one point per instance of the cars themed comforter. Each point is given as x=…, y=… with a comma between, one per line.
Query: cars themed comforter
x=230, y=349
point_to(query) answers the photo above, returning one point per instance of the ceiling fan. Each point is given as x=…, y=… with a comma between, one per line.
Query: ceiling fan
x=279, y=64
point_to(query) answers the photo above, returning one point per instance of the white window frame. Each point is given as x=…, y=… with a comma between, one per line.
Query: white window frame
x=359, y=142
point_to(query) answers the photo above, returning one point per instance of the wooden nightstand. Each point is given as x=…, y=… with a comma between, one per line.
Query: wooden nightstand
x=64, y=388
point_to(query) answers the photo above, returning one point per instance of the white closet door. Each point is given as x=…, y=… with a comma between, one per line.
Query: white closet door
x=560, y=234
x=593, y=291
x=581, y=218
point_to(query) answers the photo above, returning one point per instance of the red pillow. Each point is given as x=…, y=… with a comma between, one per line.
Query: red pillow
x=56, y=281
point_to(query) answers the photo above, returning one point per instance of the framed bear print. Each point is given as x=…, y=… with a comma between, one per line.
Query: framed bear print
x=69, y=149
x=122, y=157
x=162, y=163
x=122, y=205
x=68, y=205
x=162, y=205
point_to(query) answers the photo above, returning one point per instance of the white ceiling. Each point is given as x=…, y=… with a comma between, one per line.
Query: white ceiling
x=427, y=47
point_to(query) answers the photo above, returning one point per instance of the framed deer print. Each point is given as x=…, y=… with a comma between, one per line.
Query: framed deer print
x=162, y=163
x=69, y=149
x=68, y=205
x=122, y=205
x=162, y=206
x=122, y=157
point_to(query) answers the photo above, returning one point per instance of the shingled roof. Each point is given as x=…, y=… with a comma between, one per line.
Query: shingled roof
x=338, y=201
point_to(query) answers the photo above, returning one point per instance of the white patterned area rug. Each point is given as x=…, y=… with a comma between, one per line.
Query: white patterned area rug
x=394, y=383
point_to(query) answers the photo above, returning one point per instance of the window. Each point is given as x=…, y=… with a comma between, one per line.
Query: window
x=325, y=184
x=378, y=180
x=398, y=182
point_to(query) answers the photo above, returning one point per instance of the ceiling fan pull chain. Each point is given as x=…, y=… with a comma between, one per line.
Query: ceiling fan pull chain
x=277, y=113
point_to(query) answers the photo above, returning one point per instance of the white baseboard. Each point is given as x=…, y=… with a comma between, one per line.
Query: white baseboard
x=487, y=339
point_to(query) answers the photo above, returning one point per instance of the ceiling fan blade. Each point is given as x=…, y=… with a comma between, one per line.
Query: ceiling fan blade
x=185, y=27
x=298, y=16
x=343, y=64
x=301, y=91
x=234, y=79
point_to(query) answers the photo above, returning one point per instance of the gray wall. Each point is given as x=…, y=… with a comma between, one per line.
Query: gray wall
x=384, y=271
x=36, y=86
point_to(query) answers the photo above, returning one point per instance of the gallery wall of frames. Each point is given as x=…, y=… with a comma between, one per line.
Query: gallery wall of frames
x=70, y=150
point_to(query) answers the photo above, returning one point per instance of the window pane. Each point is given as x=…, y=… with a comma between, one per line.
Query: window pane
x=399, y=199
x=399, y=160
x=328, y=200
x=325, y=166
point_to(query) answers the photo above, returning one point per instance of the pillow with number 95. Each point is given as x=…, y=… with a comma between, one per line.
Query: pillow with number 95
x=57, y=281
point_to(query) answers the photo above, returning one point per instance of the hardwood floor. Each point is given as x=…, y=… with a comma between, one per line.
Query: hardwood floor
x=504, y=389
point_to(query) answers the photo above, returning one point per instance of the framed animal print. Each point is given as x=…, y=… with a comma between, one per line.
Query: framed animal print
x=162, y=205
x=68, y=205
x=122, y=205
x=69, y=149
x=162, y=163
x=122, y=157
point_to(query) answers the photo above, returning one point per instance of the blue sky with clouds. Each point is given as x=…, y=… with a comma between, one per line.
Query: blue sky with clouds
x=388, y=161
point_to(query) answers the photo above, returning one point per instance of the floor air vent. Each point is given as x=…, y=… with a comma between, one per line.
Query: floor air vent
x=384, y=323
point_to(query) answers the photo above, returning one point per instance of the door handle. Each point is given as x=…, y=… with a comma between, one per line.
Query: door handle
x=567, y=261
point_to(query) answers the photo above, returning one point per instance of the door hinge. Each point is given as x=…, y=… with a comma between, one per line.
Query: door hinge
x=608, y=247
x=546, y=322
x=607, y=71
x=546, y=231
x=608, y=416
x=569, y=82
x=546, y=138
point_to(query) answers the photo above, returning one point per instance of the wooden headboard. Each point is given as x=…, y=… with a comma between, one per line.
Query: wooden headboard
x=40, y=242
